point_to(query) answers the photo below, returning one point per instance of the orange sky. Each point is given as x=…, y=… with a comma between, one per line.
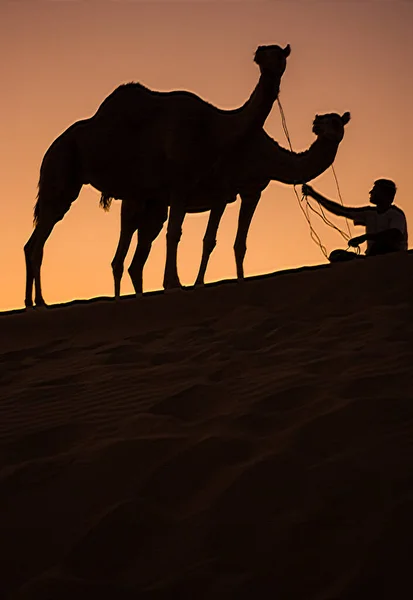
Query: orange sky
x=65, y=56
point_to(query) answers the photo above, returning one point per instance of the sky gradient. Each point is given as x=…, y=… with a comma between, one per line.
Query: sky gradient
x=65, y=56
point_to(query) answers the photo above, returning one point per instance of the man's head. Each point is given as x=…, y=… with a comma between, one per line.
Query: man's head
x=382, y=193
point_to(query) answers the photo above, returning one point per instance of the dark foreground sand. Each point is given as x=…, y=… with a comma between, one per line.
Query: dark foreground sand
x=233, y=442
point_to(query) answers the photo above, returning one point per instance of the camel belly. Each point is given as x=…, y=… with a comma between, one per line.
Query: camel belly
x=203, y=200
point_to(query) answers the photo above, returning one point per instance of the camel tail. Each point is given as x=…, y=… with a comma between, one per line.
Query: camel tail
x=42, y=193
x=42, y=198
x=36, y=212
x=105, y=201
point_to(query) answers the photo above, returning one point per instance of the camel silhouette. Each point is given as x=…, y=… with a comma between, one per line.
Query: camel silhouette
x=140, y=142
x=248, y=173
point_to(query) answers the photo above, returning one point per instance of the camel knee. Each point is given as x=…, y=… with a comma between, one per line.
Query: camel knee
x=135, y=273
x=140, y=258
x=174, y=235
x=35, y=259
x=134, y=269
x=240, y=249
x=209, y=244
x=27, y=249
x=117, y=269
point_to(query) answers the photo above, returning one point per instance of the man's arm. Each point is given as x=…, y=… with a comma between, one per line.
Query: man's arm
x=334, y=207
x=388, y=236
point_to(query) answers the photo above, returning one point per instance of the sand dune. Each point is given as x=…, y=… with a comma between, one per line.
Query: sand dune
x=239, y=441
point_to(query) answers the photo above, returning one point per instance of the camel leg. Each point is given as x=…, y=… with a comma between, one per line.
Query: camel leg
x=140, y=257
x=173, y=235
x=29, y=270
x=34, y=256
x=128, y=225
x=150, y=228
x=209, y=241
x=52, y=210
x=125, y=239
x=248, y=206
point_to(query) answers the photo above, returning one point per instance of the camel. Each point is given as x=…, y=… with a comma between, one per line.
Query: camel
x=141, y=141
x=252, y=169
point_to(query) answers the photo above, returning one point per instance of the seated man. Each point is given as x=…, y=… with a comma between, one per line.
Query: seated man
x=386, y=227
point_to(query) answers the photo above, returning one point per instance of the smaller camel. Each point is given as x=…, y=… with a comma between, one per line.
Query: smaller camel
x=248, y=174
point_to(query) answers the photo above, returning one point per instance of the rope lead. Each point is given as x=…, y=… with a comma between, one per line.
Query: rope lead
x=314, y=236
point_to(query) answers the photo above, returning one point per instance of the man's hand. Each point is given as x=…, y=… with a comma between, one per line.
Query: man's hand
x=334, y=207
x=307, y=190
x=356, y=241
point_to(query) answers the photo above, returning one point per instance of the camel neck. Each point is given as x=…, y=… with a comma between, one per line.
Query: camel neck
x=300, y=167
x=261, y=101
x=239, y=126
x=279, y=164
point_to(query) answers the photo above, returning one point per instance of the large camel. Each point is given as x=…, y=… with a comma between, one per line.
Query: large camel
x=139, y=142
x=249, y=173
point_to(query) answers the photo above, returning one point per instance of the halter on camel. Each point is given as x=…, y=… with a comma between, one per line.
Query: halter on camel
x=314, y=236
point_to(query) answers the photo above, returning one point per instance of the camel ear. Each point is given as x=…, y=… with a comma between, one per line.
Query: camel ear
x=287, y=50
x=257, y=54
x=345, y=118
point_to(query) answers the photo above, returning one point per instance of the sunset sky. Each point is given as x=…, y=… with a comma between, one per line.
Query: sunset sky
x=61, y=58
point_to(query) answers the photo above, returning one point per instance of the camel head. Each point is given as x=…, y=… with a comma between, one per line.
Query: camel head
x=331, y=126
x=272, y=59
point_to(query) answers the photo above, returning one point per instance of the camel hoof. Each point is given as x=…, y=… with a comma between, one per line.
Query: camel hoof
x=172, y=290
x=172, y=286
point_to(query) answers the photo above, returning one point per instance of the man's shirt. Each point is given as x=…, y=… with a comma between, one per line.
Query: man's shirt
x=375, y=222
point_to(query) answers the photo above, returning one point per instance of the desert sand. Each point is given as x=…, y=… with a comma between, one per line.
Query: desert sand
x=244, y=440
